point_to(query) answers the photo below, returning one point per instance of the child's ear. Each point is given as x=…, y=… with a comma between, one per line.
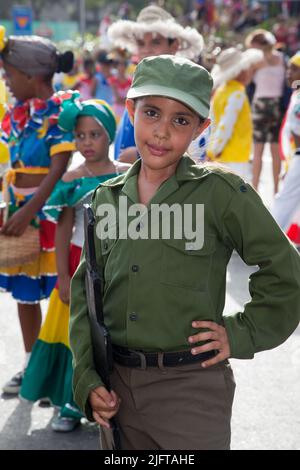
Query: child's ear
x=201, y=128
x=130, y=105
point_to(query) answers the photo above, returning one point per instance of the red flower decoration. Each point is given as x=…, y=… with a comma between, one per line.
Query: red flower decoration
x=6, y=124
x=39, y=104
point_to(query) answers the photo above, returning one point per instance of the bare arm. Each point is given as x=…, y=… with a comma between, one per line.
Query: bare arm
x=17, y=224
x=62, y=245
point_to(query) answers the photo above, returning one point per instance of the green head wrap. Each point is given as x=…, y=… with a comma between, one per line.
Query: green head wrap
x=73, y=108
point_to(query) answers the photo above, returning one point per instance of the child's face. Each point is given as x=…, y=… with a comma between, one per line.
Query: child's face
x=163, y=130
x=20, y=85
x=157, y=44
x=91, y=139
x=292, y=74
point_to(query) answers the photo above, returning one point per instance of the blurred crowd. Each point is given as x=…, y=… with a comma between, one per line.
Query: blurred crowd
x=103, y=67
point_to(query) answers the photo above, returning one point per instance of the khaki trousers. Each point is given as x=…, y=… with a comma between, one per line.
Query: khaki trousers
x=175, y=408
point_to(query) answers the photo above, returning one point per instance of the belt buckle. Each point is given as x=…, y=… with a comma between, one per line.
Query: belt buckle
x=142, y=357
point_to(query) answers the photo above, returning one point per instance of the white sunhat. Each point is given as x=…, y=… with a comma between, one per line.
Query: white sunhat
x=231, y=62
x=153, y=19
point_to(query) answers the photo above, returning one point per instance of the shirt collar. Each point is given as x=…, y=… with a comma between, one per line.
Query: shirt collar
x=186, y=170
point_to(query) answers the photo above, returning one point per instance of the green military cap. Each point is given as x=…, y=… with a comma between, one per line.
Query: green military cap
x=176, y=78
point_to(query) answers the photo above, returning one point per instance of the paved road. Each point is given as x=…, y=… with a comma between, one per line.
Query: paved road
x=266, y=412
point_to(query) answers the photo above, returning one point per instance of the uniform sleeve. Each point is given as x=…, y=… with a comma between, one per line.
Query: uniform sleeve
x=222, y=132
x=274, y=310
x=85, y=377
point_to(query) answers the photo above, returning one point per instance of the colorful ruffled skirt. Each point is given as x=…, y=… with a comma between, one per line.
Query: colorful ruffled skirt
x=49, y=372
x=31, y=282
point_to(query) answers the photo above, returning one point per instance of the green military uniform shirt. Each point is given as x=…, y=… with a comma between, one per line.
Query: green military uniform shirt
x=154, y=289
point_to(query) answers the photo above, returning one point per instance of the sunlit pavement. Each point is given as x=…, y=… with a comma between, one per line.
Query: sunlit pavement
x=266, y=412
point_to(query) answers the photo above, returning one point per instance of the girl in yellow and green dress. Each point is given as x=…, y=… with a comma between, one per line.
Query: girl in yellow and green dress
x=39, y=153
x=49, y=372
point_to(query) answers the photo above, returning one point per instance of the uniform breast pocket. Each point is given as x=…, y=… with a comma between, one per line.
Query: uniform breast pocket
x=186, y=267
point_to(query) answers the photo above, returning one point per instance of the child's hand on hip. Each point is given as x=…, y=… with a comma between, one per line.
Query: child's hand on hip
x=104, y=404
x=217, y=337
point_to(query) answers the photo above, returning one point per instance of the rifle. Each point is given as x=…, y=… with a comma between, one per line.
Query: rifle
x=102, y=348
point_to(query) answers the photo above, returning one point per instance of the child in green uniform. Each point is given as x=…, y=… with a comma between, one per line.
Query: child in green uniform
x=164, y=290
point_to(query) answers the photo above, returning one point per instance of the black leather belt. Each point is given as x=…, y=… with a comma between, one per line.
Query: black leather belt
x=134, y=358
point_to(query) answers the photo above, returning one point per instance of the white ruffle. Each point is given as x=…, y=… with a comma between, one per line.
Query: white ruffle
x=221, y=75
x=123, y=33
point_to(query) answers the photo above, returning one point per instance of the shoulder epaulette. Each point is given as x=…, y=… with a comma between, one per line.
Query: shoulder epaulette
x=231, y=178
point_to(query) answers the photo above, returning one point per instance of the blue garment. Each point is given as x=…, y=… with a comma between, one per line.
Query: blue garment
x=103, y=89
x=27, y=290
x=125, y=135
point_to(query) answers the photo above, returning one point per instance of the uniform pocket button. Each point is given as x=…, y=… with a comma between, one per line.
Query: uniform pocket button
x=133, y=317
